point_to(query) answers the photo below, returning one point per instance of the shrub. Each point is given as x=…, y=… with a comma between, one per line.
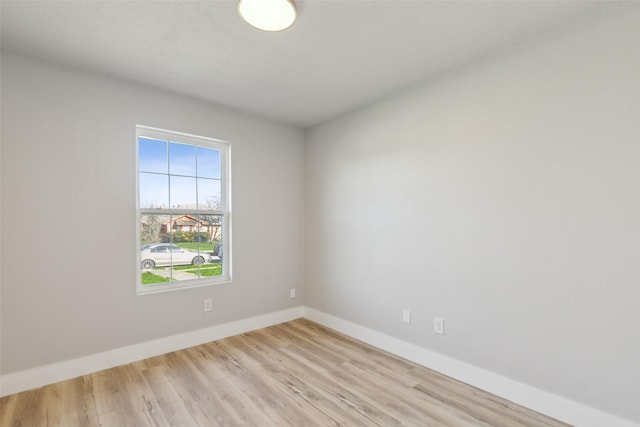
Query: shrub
x=190, y=236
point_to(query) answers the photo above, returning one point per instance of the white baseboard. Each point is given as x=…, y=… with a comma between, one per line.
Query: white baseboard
x=539, y=400
x=48, y=374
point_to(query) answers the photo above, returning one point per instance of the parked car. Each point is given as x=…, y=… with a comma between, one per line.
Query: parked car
x=163, y=254
x=217, y=252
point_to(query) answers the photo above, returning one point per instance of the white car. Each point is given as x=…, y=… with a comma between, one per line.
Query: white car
x=163, y=254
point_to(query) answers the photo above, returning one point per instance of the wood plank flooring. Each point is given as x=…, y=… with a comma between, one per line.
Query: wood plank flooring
x=293, y=374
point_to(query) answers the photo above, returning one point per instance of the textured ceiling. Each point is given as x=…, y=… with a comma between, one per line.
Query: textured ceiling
x=338, y=56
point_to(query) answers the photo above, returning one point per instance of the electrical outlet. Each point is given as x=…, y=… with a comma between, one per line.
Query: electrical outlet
x=406, y=316
x=208, y=304
x=438, y=325
x=292, y=293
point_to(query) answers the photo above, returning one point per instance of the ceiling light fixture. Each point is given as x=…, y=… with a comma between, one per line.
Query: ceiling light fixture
x=268, y=15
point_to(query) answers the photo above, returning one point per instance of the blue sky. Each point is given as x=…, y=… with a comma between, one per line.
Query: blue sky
x=178, y=175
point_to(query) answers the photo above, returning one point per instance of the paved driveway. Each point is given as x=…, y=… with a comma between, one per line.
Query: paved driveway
x=177, y=274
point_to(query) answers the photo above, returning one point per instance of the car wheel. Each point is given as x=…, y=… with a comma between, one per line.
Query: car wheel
x=197, y=260
x=148, y=263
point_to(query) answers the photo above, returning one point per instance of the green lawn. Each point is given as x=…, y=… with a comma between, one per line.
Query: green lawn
x=150, y=278
x=206, y=270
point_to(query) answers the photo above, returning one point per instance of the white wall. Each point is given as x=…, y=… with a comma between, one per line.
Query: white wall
x=503, y=197
x=68, y=215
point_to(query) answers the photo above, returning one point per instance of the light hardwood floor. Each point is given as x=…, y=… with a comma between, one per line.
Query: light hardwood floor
x=294, y=374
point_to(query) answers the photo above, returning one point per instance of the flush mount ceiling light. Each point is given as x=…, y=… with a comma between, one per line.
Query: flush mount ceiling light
x=268, y=15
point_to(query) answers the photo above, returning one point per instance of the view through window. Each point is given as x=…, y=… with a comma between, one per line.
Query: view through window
x=183, y=198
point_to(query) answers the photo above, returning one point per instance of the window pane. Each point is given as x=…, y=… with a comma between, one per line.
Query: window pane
x=211, y=245
x=154, y=253
x=183, y=193
x=154, y=190
x=209, y=194
x=182, y=159
x=152, y=155
x=216, y=227
x=153, y=229
x=208, y=163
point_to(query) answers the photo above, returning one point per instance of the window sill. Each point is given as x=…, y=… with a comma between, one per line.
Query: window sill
x=177, y=286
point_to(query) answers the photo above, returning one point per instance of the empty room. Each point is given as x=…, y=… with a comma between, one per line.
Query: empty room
x=320, y=213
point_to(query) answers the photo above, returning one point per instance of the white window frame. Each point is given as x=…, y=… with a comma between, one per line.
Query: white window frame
x=225, y=210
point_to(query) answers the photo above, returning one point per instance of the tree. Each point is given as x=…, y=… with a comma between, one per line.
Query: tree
x=214, y=222
x=151, y=228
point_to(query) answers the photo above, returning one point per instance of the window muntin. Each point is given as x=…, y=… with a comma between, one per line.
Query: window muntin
x=183, y=210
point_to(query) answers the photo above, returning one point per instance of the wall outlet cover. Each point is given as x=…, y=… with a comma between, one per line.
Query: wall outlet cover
x=438, y=325
x=406, y=316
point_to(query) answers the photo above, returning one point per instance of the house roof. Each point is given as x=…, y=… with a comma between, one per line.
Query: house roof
x=187, y=220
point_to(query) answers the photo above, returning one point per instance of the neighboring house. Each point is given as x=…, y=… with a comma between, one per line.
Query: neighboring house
x=188, y=223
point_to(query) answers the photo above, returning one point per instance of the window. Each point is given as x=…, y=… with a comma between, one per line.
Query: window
x=183, y=210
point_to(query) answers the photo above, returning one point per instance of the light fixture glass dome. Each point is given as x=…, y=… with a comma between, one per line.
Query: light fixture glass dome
x=268, y=15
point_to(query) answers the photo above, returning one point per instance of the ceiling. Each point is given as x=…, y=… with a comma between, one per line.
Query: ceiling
x=337, y=57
